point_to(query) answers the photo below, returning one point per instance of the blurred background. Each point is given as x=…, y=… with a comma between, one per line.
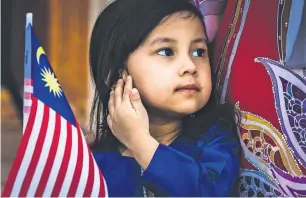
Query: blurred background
x=63, y=29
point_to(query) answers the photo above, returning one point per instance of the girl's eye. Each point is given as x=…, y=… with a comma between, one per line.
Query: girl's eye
x=199, y=52
x=165, y=52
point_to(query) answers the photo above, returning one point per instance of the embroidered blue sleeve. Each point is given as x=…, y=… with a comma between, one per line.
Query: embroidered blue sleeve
x=213, y=173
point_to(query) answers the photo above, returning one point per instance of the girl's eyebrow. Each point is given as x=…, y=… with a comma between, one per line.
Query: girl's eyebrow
x=160, y=40
x=200, y=40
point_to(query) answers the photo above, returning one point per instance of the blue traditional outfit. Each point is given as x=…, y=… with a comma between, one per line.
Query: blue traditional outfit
x=208, y=166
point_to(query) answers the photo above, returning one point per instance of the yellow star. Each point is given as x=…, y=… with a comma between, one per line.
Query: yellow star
x=51, y=82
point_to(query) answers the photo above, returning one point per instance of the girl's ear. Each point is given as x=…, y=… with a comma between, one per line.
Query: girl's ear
x=124, y=74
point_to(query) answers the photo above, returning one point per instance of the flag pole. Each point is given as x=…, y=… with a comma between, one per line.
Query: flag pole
x=29, y=19
x=27, y=69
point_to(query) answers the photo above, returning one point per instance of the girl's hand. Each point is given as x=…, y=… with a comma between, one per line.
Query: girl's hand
x=127, y=119
x=129, y=122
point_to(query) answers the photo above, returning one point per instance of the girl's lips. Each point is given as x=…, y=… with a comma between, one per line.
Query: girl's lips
x=188, y=87
x=187, y=91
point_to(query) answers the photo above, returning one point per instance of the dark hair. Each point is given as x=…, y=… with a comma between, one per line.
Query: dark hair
x=118, y=31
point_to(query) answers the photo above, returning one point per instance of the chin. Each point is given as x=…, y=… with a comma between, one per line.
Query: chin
x=177, y=110
x=183, y=111
x=190, y=108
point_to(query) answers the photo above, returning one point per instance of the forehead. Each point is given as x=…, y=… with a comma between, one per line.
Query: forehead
x=177, y=25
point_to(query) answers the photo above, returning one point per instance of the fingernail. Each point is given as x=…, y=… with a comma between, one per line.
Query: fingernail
x=134, y=91
x=128, y=78
x=119, y=81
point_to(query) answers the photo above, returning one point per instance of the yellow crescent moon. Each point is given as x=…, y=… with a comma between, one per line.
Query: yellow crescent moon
x=39, y=52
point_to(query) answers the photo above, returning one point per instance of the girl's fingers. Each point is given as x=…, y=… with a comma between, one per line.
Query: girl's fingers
x=127, y=89
x=118, y=93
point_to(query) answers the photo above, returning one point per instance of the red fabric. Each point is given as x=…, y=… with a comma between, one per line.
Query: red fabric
x=250, y=84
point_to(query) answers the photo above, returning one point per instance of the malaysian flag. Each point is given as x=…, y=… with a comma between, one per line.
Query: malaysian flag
x=53, y=158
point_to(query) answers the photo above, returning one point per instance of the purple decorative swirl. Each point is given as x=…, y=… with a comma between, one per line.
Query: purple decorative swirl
x=290, y=101
x=290, y=185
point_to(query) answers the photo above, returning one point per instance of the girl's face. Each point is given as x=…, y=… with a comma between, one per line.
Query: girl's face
x=171, y=69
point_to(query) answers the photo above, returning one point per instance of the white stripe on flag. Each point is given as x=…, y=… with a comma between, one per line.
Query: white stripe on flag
x=85, y=169
x=96, y=185
x=29, y=150
x=27, y=102
x=71, y=165
x=57, y=160
x=28, y=88
x=25, y=121
x=44, y=154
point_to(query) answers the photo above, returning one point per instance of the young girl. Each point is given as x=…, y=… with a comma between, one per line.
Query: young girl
x=160, y=129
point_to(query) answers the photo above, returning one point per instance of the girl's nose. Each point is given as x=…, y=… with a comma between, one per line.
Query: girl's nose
x=188, y=68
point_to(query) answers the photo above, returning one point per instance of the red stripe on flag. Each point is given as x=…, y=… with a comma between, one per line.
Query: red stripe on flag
x=36, y=155
x=27, y=95
x=63, y=169
x=20, y=153
x=28, y=81
x=26, y=109
x=91, y=174
x=78, y=168
x=91, y=177
x=50, y=160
